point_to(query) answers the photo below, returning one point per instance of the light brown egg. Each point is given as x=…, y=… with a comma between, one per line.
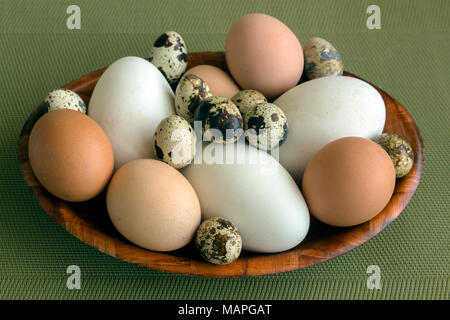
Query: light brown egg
x=153, y=205
x=70, y=155
x=263, y=54
x=348, y=182
x=220, y=82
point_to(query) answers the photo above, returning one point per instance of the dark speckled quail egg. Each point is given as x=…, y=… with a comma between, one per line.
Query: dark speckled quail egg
x=321, y=59
x=266, y=126
x=221, y=120
x=218, y=240
x=175, y=142
x=399, y=150
x=191, y=90
x=64, y=99
x=247, y=98
x=169, y=55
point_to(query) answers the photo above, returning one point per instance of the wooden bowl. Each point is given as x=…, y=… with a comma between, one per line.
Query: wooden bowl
x=89, y=220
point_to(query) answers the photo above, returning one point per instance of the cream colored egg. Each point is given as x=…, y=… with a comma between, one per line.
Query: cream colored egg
x=325, y=109
x=129, y=101
x=248, y=187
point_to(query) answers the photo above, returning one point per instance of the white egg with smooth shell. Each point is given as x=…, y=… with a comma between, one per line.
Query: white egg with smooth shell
x=323, y=110
x=259, y=197
x=129, y=101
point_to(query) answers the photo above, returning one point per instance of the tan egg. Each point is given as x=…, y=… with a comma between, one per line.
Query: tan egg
x=348, y=182
x=220, y=83
x=263, y=54
x=70, y=155
x=153, y=205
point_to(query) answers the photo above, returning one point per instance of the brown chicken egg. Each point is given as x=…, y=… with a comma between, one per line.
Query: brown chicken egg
x=263, y=54
x=348, y=182
x=70, y=155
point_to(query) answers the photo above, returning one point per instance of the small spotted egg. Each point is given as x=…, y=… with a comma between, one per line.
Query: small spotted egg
x=248, y=98
x=221, y=120
x=266, y=126
x=219, y=241
x=399, y=150
x=169, y=55
x=64, y=99
x=321, y=59
x=191, y=90
x=175, y=142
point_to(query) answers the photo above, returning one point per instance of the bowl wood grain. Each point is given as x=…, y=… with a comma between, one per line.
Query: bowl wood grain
x=89, y=221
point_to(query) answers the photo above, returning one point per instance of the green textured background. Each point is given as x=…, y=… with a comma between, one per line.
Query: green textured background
x=409, y=58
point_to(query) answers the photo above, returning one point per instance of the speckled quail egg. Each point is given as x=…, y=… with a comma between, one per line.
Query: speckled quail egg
x=191, y=90
x=64, y=99
x=247, y=98
x=266, y=126
x=399, y=150
x=169, y=55
x=218, y=240
x=175, y=142
x=321, y=59
x=221, y=120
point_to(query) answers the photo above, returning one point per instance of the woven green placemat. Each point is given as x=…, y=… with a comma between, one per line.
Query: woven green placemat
x=408, y=57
